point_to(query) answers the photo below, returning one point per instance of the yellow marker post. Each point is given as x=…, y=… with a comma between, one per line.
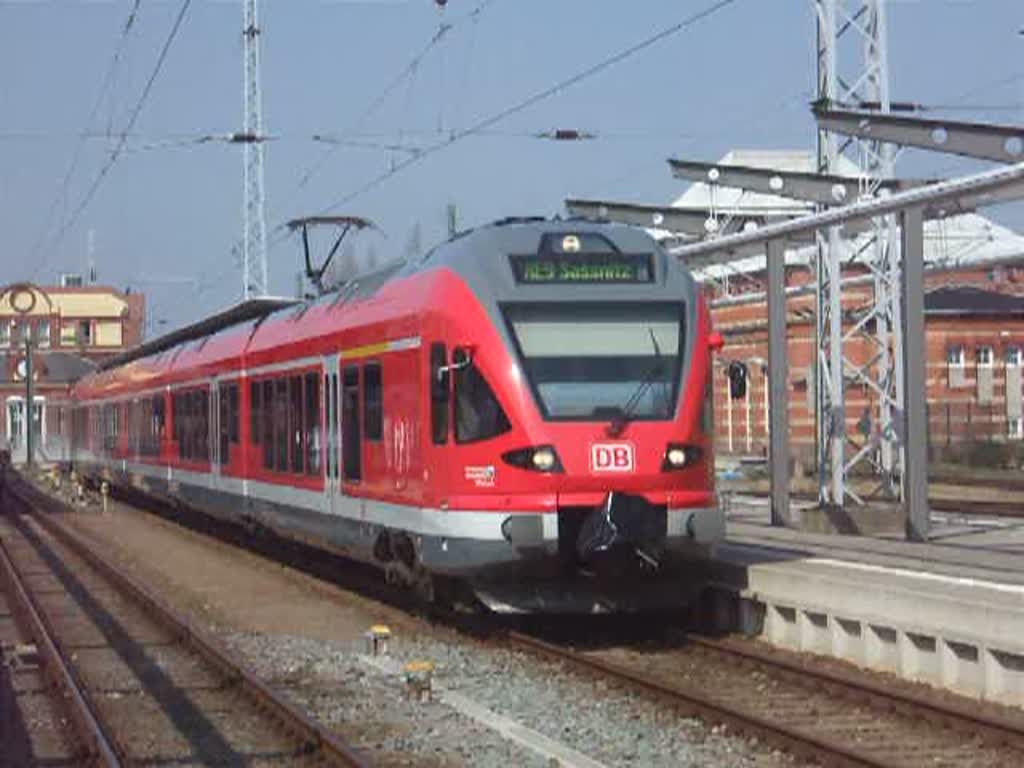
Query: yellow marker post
x=377, y=640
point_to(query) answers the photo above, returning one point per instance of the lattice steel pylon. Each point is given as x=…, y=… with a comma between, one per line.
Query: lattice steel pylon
x=254, y=224
x=853, y=71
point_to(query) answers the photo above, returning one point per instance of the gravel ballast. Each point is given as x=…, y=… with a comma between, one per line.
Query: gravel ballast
x=336, y=684
x=306, y=637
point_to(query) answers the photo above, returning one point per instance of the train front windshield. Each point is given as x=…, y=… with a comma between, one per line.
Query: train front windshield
x=592, y=362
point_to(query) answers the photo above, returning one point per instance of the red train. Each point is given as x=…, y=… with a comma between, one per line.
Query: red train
x=526, y=409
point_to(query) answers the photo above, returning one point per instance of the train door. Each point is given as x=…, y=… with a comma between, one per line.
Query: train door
x=439, y=393
x=332, y=431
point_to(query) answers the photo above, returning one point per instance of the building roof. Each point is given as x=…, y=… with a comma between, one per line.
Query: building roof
x=970, y=300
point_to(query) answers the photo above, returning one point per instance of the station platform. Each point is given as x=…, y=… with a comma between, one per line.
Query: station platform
x=949, y=612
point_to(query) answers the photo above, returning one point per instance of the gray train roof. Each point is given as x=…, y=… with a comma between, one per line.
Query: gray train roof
x=482, y=258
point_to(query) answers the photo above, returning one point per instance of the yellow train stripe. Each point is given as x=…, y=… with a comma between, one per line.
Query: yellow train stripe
x=395, y=345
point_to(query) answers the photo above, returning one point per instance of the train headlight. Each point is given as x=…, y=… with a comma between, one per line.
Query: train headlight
x=678, y=456
x=539, y=458
x=543, y=459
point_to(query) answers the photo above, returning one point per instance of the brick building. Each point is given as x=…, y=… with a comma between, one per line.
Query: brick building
x=72, y=327
x=975, y=353
x=974, y=317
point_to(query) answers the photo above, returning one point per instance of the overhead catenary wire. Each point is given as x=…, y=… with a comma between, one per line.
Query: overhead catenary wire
x=105, y=84
x=410, y=69
x=279, y=231
x=530, y=101
x=123, y=136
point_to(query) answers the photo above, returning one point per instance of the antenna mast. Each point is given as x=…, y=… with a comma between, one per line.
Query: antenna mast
x=254, y=236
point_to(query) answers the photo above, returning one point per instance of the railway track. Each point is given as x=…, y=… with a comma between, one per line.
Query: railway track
x=834, y=718
x=140, y=683
x=814, y=712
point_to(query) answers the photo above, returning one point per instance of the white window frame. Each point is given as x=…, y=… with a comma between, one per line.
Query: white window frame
x=985, y=355
x=955, y=355
x=1015, y=429
x=1014, y=356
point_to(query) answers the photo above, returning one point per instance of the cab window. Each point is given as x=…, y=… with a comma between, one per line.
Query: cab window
x=478, y=415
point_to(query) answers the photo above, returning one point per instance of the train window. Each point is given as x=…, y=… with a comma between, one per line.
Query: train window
x=312, y=421
x=280, y=425
x=267, y=419
x=601, y=361
x=351, y=448
x=179, y=414
x=295, y=431
x=373, y=401
x=438, y=393
x=254, y=412
x=195, y=426
x=159, y=422
x=233, y=428
x=228, y=417
x=203, y=424
x=223, y=444
x=478, y=415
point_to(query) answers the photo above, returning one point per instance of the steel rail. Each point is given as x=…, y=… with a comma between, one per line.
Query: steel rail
x=92, y=735
x=994, y=729
x=998, y=730
x=317, y=737
x=792, y=739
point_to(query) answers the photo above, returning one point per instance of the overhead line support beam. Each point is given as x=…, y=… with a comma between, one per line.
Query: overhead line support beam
x=984, y=141
x=686, y=220
x=823, y=188
x=979, y=189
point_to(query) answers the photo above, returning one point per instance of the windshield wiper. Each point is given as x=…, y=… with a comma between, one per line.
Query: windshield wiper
x=625, y=412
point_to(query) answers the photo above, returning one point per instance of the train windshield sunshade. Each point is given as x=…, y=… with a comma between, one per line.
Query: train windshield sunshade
x=589, y=361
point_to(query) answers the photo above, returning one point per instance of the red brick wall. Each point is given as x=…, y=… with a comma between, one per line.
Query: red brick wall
x=744, y=327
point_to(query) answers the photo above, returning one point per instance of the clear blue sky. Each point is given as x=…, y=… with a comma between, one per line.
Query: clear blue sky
x=170, y=209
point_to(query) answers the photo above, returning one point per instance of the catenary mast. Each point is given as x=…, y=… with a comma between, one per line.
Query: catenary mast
x=254, y=236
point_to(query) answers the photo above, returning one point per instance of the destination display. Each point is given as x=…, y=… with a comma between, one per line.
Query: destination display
x=584, y=268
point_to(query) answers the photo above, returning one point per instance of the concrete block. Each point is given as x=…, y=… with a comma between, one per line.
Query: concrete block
x=961, y=668
x=814, y=632
x=919, y=657
x=1004, y=677
x=881, y=648
x=781, y=626
x=848, y=639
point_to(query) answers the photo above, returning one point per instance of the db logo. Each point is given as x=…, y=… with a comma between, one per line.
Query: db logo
x=611, y=457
